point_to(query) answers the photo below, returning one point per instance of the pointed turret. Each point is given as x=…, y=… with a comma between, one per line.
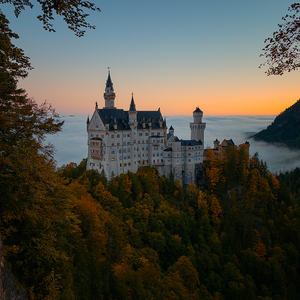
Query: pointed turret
x=109, y=83
x=87, y=123
x=132, y=113
x=132, y=104
x=109, y=94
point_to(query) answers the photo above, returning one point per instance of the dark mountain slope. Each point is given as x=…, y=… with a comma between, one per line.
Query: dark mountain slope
x=285, y=128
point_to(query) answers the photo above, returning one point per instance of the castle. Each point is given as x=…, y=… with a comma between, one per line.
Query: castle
x=120, y=141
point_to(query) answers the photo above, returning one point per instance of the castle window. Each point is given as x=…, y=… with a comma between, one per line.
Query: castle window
x=146, y=134
x=158, y=160
x=102, y=136
x=112, y=144
x=154, y=161
x=128, y=134
x=124, y=135
x=120, y=165
x=162, y=160
x=118, y=144
x=128, y=150
x=125, y=165
x=92, y=135
x=113, y=152
x=113, y=159
x=140, y=134
x=112, y=136
x=129, y=164
x=128, y=143
x=120, y=150
x=118, y=135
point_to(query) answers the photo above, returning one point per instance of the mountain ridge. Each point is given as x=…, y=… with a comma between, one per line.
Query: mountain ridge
x=284, y=129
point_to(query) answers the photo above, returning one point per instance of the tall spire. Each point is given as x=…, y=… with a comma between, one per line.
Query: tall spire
x=109, y=94
x=132, y=104
x=109, y=83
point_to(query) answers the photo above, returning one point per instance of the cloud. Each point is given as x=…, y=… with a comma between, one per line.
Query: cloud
x=71, y=143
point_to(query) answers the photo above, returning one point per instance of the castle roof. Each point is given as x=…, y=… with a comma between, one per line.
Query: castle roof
x=109, y=82
x=132, y=104
x=198, y=110
x=120, y=117
x=190, y=143
x=169, y=135
x=230, y=142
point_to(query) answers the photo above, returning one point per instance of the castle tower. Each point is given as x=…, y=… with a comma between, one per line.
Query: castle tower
x=109, y=94
x=132, y=112
x=197, y=128
x=132, y=121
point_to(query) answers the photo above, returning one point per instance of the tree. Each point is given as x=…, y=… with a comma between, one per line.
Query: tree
x=282, y=49
x=35, y=212
x=72, y=12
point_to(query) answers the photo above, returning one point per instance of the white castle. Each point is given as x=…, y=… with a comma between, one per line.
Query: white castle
x=120, y=141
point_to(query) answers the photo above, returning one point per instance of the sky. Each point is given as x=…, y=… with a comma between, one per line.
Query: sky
x=173, y=55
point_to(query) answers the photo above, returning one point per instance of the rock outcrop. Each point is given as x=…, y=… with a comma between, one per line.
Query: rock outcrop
x=10, y=289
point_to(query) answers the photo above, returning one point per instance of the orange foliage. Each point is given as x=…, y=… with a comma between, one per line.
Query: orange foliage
x=260, y=249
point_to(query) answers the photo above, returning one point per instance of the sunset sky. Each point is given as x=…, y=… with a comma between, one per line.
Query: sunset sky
x=175, y=55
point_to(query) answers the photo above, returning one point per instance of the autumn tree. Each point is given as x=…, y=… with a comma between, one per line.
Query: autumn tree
x=73, y=13
x=282, y=49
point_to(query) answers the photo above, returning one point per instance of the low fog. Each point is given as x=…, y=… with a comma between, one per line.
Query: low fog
x=71, y=143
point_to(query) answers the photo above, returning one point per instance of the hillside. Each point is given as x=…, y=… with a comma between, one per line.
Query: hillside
x=141, y=236
x=285, y=128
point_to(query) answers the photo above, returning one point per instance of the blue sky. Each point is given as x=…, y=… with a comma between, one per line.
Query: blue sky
x=171, y=54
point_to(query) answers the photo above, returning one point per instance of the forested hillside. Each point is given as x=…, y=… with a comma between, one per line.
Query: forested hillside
x=285, y=128
x=141, y=236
